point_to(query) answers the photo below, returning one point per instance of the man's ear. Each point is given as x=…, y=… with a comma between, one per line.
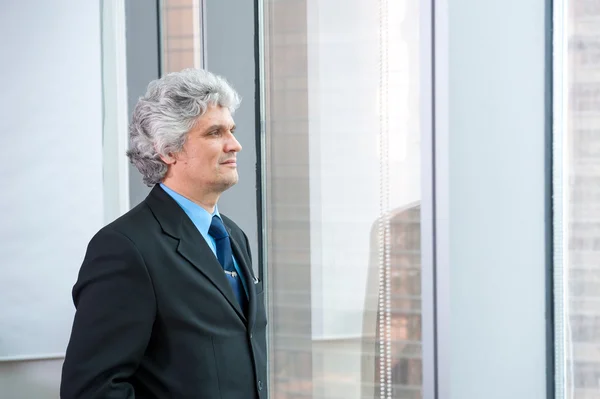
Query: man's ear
x=168, y=159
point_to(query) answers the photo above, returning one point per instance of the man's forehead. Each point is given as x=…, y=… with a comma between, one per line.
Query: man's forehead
x=216, y=116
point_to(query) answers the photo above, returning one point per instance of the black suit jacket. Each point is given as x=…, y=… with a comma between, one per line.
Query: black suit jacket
x=156, y=316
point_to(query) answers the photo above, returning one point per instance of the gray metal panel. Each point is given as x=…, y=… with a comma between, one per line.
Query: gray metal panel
x=142, y=67
x=230, y=52
x=551, y=359
x=560, y=124
x=441, y=121
x=427, y=202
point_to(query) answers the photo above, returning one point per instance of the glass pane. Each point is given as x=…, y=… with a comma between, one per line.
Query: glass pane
x=343, y=198
x=582, y=201
x=181, y=34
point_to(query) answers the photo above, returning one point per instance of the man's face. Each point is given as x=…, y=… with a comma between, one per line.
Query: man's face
x=207, y=161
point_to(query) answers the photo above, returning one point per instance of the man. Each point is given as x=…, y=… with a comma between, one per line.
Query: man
x=167, y=302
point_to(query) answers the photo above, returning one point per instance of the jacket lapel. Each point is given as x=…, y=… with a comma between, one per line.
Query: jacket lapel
x=194, y=248
x=192, y=245
x=248, y=277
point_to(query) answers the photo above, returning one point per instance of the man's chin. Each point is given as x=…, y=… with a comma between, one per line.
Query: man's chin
x=225, y=184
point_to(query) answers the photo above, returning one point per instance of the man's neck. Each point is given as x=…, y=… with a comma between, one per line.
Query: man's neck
x=207, y=200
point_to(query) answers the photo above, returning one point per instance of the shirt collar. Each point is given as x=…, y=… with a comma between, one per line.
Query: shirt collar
x=199, y=216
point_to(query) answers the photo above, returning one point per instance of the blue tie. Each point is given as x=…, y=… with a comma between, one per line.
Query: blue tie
x=225, y=256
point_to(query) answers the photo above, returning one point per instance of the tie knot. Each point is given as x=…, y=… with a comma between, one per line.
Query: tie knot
x=217, y=228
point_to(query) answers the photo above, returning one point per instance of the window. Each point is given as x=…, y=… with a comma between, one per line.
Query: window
x=577, y=205
x=181, y=34
x=342, y=194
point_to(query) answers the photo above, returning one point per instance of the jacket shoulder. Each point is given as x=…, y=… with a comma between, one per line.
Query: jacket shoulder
x=134, y=222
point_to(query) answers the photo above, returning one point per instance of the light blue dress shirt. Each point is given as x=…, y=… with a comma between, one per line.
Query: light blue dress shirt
x=202, y=220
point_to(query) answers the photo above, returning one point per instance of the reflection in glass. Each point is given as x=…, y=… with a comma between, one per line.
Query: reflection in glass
x=582, y=201
x=181, y=34
x=403, y=347
x=342, y=198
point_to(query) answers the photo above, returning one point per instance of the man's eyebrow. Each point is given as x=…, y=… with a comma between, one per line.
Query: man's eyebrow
x=218, y=127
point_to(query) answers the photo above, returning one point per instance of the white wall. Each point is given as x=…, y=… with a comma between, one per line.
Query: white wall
x=52, y=99
x=497, y=199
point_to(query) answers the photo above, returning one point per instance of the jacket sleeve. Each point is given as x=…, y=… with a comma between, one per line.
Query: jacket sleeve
x=115, y=310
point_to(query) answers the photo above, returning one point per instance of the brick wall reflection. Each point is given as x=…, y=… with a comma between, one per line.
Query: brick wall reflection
x=179, y=34
x=286, y=85
x=583, y=143
x=405, y=311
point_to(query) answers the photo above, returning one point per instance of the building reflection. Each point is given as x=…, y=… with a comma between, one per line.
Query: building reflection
x=394, y=363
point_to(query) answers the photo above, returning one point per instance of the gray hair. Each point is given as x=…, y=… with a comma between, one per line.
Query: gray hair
x=166, y=113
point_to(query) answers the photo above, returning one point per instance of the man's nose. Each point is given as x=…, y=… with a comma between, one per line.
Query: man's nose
x=233, y=144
